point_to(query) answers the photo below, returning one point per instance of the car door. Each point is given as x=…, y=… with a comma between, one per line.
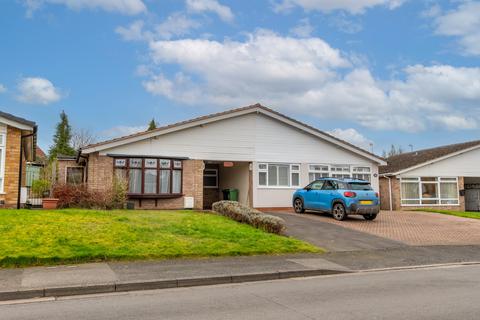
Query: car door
x=327, y=195
x=312, y=195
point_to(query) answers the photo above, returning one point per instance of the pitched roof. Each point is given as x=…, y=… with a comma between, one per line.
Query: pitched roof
x=220, y=115
x=417, y=158
x=11, y=117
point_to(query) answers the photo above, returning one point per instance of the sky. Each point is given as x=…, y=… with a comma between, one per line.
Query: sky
x=372, y=72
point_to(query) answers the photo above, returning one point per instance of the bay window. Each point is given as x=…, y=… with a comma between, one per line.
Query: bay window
x=150, y=176
x=424, y=191
x=278, y=175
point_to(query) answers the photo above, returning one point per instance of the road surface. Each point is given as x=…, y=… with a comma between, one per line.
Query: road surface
x=436, y=293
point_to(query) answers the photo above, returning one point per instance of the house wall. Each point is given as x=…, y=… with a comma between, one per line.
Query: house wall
x=236, y=177
x=250, y=138
x=12, y=166
x=396, y=197
x=100, y=178
x=62, y=166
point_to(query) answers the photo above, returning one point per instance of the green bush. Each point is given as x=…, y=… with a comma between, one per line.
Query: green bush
x=244, y=214
x=41, y=187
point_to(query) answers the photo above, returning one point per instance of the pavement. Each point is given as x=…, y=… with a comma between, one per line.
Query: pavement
x=354, y=245
x=433, y=293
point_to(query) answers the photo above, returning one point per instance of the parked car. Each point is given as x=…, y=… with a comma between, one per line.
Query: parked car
x=340, y=197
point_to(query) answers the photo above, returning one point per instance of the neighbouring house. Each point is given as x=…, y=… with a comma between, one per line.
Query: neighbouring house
x=263, y=154
x=17, y=147
x=68, y=170
x=446, y=177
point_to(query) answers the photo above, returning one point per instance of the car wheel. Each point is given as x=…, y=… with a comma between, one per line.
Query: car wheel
x=298, y=206
x=370, y=217
x=339, y=212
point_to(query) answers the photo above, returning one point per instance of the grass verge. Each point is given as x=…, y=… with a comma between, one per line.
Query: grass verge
x=464, y=214
x=31, y=237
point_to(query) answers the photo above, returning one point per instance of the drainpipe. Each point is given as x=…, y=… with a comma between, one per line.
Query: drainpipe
x=20, y=173
x=390, y=192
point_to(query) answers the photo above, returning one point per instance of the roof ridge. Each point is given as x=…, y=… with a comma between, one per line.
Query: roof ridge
x=438, y=147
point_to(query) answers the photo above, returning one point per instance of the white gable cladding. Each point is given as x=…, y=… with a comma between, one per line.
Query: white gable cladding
x=251, y=137
x=463, y=165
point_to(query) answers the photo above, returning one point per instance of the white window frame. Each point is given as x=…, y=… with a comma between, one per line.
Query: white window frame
x=333, y=172
x=3, y=148
x=291, y=171
x=211, y=175
x=439, y=198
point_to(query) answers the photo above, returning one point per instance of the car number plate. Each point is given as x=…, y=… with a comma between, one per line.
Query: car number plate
x=366, y=202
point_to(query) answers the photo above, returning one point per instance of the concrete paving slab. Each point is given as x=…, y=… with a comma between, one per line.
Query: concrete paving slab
x=10, y=279
x=60, y=276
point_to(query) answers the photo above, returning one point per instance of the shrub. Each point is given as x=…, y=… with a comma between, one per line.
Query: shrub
x=41, y=187
x=244, y=214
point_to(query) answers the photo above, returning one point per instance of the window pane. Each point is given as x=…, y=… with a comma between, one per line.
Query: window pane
x=262, y=178
x=177, y=181
x=316, y=167
x=283, y=175
x=150, y=181
x=150, y=163
x=120, y=162
x=135, y=163
x=427, y=201
x=449, y=202
x=135, y=181
x=410, y=191
x=295, y=179
x=272, y=175
x=164, y=181
x=429, y=190
x=428, y=179
x=262, y=166
x=410, y=201
x=177, y=164
x=361, y=169
x=210, y=181
x=448, y=191
x=121, y=175
x=164, y=163
x=74, y=175
x=360, y=176
x=317, y=185
x=295, y=167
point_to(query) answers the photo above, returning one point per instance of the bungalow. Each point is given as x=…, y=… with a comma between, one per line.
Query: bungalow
x=261, y=153
x=17, y=146
x=446, y=177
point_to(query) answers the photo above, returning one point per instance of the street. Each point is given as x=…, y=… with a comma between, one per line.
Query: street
x=434, y=293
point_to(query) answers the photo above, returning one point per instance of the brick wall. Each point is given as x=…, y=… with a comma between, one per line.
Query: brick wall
x=12, y=167
x=396, y=197
x=62, y=166
x=100, y=177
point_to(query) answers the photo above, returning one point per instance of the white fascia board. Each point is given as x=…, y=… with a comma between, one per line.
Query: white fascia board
x=15, y=124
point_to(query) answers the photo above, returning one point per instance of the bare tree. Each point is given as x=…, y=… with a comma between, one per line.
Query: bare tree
x=82, y=138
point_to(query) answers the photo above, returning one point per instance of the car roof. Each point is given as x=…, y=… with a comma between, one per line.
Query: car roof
x=347, y=180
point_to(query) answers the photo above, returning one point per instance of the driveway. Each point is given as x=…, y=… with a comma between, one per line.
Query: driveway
x=390, y=229
x=318, y=230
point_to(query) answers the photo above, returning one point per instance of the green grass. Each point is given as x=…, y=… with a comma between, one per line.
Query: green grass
x=464, y=214
x=40, y=237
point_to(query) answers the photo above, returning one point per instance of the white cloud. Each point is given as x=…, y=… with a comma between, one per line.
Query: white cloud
x=308, y=76
x=463, y=23
x=351, y=6
x=303, y=30
x=177, y=24
x=352, y=136
x=37, y=91
x=128, y=7
x=456, y=122
x=198, y=6
x=2, y=88
x=120, y=131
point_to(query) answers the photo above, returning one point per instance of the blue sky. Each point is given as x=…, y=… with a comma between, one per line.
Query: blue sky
x=369, y=71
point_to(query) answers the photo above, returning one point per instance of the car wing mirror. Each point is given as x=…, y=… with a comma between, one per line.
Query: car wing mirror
x=307, y=188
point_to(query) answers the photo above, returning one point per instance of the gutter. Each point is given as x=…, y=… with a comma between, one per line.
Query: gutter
x=20, y=172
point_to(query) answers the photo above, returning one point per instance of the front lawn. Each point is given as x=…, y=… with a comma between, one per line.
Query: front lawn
x=464, y=214
x=39, y=237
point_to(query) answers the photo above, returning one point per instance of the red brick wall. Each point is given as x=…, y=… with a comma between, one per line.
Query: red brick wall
x=396, y=197
x=62, y=166
x=12, y=167
x=100, y=177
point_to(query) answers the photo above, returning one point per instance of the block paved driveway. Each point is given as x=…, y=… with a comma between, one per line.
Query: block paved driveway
x=390, y=229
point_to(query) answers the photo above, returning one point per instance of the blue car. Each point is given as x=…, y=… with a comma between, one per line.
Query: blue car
x=340, y=197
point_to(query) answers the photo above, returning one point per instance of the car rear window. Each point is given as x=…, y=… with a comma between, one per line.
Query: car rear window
x=360, y=186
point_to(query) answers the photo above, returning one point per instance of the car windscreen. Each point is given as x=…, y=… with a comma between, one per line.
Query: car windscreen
x=360, y=186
